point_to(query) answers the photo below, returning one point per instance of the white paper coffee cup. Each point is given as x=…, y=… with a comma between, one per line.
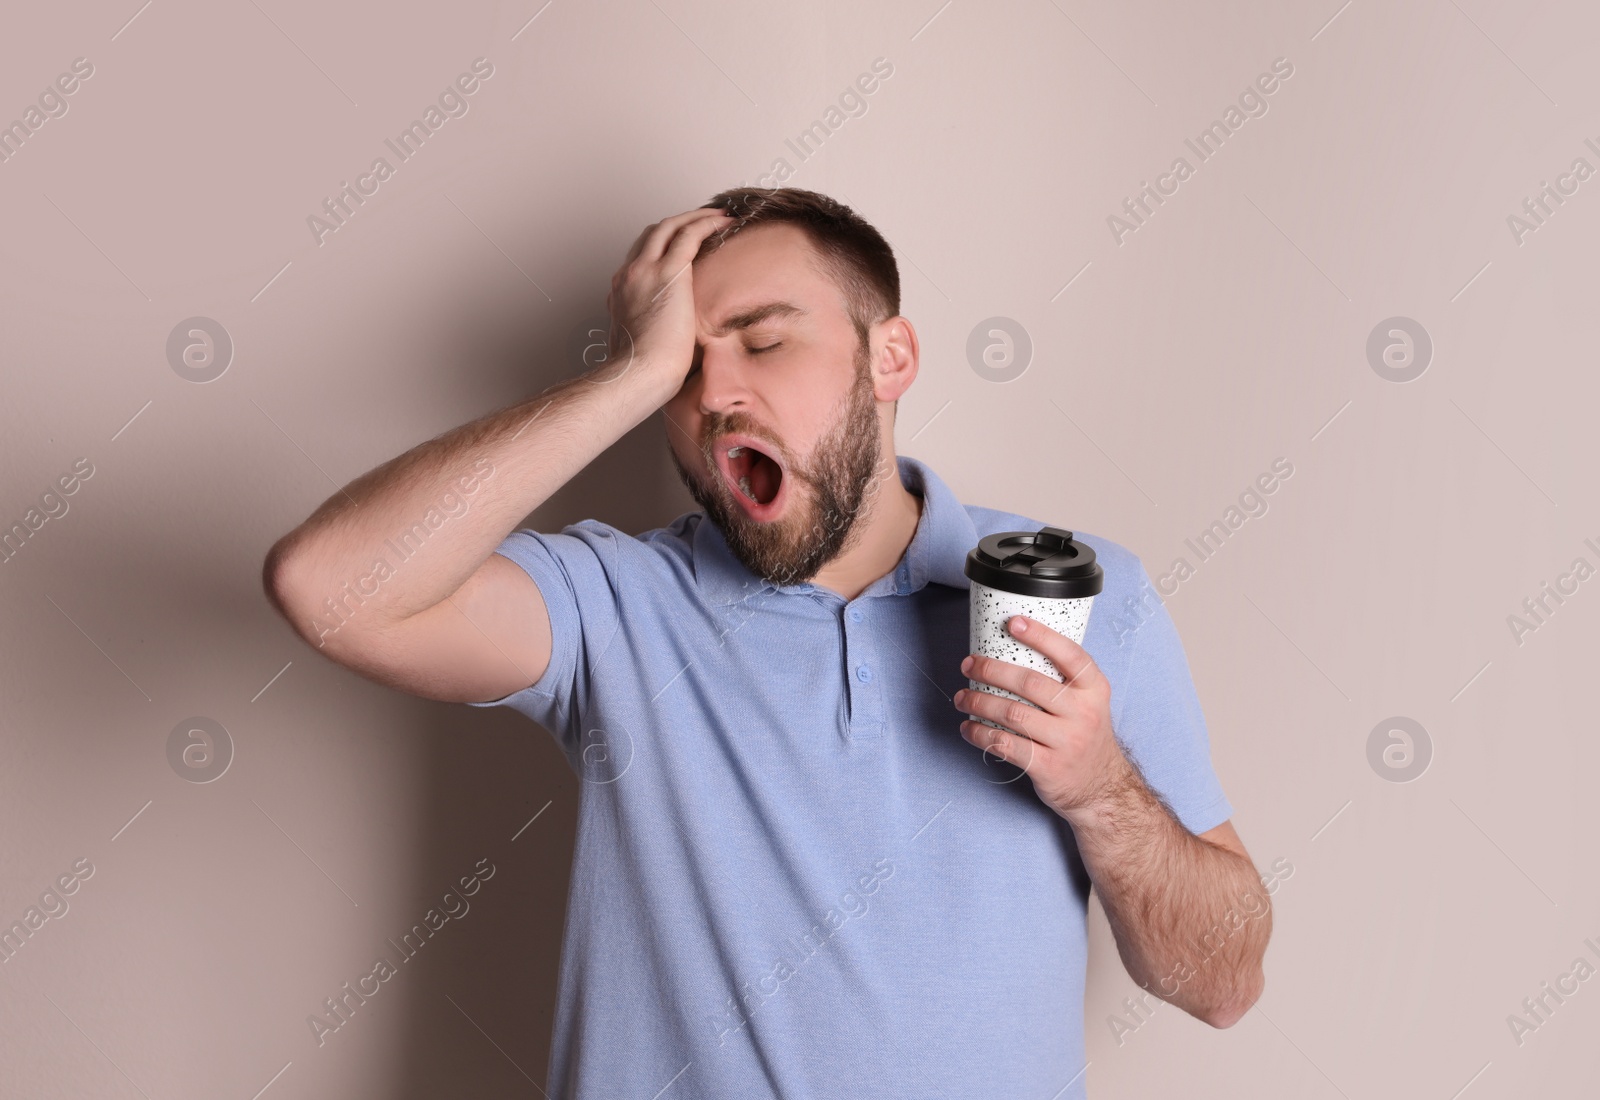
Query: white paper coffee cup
x=1044, y=575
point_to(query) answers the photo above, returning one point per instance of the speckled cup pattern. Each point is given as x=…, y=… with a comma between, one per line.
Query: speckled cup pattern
x=990, y=611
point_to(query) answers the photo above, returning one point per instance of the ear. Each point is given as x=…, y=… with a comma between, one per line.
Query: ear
x=894, y=358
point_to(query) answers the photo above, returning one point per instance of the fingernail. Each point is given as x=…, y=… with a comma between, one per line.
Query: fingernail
x=1019, y=624
x=966, y=664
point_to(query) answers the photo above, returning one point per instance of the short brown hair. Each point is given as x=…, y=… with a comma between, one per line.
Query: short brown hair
x=854, y=252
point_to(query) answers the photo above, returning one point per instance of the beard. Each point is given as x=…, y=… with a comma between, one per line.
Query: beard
x=830, y=491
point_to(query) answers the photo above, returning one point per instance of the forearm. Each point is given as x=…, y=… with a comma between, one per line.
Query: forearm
x=518, y=458
x=1191, y=918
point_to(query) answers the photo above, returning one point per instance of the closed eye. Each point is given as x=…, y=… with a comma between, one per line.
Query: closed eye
x=768, y=347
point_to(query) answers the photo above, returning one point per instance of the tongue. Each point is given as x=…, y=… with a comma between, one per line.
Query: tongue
x=764, y=477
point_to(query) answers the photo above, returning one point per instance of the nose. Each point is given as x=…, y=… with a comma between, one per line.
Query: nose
x=724, y=384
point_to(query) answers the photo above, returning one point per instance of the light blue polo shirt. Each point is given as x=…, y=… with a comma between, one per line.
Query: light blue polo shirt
x=793, y=877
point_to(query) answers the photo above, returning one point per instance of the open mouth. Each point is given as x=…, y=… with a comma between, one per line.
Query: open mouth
x=755, y=476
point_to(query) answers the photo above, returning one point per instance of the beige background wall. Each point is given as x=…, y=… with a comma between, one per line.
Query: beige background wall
x=1229, y=331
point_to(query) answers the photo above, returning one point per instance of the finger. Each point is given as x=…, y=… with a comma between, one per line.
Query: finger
x=1030, y=722
x=1045, y=692
x=1070, y=658
x=1007, y=746
x=690, y=236
x=649, y=241
x=659, y=235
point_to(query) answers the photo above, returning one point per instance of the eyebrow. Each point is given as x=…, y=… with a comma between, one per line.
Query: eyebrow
x=758, y=314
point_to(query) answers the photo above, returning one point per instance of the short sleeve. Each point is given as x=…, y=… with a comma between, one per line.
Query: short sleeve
x=577, y=573
x=1160, y=724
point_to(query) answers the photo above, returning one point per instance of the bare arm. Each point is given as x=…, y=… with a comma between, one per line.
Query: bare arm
x=1190, y=914
x=395, y=575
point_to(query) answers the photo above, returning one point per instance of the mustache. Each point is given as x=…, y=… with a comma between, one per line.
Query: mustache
x=717, y=434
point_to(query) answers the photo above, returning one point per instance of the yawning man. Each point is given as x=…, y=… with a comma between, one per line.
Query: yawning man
x=799, y=871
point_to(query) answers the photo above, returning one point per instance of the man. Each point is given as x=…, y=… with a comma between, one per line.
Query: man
x=792, y=878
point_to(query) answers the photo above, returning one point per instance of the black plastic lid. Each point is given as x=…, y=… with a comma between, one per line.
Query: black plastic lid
x=1045, y=563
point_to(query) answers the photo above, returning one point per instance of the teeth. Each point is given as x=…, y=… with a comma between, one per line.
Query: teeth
x=744, y=483
x=735, y=452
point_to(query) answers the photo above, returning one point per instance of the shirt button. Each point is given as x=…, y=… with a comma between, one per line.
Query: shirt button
x=855, y=615
x=864, y=674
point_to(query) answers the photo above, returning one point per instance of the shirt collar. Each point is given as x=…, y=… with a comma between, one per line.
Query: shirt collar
x=937, y=552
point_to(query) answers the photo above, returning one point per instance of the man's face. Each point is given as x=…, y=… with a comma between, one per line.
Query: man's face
x=781, y=371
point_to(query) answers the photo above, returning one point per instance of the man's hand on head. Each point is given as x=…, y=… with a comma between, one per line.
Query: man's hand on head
x=651, y=300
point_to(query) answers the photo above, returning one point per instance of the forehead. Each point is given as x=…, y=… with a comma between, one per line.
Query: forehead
x=776, y=261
